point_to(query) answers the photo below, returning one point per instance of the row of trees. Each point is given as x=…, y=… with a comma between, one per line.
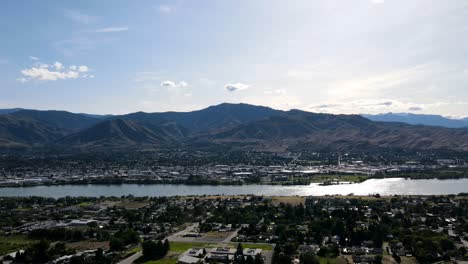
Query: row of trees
x=155, y=250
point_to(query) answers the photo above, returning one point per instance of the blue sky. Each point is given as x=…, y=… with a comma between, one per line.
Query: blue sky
x=360, y=56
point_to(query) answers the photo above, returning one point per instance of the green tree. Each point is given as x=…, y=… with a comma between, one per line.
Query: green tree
x=116, y=244
x=40, y=252
x=239, y=250
x=309, y=258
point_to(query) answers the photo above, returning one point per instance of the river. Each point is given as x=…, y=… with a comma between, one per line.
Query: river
x=391, y=186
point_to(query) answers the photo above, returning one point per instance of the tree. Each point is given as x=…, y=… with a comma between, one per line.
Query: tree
x=240, y=250
x=116, y=244
x=99, y=254
x=258, y=259
x=149, y=249
x=20, y=257
x=160, y=249
x=167, y=246
x=58, y=249
x=378, y=259
x=153, y=249
x=77, y=260
x=309, y=258
x=40, y=252
x=323, y=251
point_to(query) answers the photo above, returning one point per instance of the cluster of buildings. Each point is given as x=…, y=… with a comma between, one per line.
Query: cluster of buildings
x=208, y=174
x=217, y=254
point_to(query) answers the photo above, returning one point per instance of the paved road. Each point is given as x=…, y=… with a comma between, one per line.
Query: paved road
x=231, y=236
x=132, y=258
x=268, y=254
x=179, y=236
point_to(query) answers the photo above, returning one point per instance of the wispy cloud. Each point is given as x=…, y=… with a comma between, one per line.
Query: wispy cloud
x=173, y=84
x=415, y=108
x=372, y=85
x=75, y=44
x=53, y=72
x=111, y=29
x=232, y=87
x=277, y=91
x=165, y=9
x=368, y=106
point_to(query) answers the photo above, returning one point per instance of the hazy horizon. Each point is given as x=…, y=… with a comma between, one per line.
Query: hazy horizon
x=198, y=109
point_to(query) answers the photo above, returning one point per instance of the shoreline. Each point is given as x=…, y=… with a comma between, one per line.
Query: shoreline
x=211, y=183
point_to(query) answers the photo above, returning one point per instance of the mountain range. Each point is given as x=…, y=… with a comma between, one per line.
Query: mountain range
x=228, y=125
x=420, y=119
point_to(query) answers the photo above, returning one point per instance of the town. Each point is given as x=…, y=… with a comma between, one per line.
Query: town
x=234, y=229
x=232, y=169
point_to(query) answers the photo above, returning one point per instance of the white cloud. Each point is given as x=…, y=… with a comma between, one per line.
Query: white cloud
x=33, y=58
x=88, y=76
x=111, y=29
x=58, y=66
x=45, y=74
x=165, y=9
x=174, y=84
x=232, y=87
x=378, y=1
x=54, y=72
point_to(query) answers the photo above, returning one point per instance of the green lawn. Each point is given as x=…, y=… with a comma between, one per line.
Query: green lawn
x=324, y=260
x=162, y=261
x=181, y=247
x=9, y=244
x=134, y=250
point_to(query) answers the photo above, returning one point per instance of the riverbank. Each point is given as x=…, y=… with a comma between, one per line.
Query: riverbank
x=321, y=179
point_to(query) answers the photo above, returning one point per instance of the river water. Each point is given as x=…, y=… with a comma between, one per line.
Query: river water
x=390, y=186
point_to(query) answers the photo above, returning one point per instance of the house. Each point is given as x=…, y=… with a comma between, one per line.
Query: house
x=215, y=257
x=252, y=252
x=194, y=252
x=223, y=251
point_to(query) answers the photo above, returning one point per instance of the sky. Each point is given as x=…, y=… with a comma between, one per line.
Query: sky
x=349, y=56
